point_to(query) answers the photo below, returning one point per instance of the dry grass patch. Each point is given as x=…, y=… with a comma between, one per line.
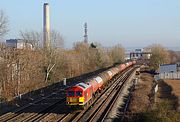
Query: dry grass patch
x=140, y=97
x=175, y=84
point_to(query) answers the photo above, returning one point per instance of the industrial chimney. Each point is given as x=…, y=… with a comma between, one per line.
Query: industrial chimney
x=46, y=26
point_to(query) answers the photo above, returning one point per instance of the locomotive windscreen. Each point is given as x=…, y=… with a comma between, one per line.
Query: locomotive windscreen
x=70, y=93
x=78, y=93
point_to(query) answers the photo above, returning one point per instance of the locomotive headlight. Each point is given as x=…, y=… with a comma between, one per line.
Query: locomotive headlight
x=81, y=99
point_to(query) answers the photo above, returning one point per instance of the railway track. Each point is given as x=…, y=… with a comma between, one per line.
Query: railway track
x=100, y=112
x=44, y=110
x=100, y=104
x=12, y=114
x=67, y=116
x=24, y=113
x=125, y=108
x=32, y=109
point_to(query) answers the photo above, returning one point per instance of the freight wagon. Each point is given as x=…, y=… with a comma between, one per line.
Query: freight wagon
x=82, y=94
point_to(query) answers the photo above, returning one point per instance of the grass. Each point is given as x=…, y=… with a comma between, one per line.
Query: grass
x=175, y=85
x=165, y=108
x=162, y=113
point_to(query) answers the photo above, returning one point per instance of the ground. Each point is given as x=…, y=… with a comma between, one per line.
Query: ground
x=174, y=87
x=141, y=97
x=140, y=101
x=161, y=106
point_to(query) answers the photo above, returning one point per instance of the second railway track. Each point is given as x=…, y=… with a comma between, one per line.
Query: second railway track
x=33, y=109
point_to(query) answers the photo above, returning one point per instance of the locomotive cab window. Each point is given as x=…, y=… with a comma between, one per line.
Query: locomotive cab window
x=70, y=93
x=79, y=93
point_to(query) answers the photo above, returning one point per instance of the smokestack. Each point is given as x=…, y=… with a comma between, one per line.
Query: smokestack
x=46, y=26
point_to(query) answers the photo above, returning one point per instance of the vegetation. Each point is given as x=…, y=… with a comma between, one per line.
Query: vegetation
x=160, y=55
x=3, y=31
x=147, y=107
x=24, y=70
x=117, y=53
x=3, y=24
x=174, y=56
x=165, y=108
x=162, y=113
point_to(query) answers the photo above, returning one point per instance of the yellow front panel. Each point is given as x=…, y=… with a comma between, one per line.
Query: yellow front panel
x=75, y=101
x=81, y=99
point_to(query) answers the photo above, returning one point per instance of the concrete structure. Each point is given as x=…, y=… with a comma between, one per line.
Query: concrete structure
x=46, y=26
x=175, y=75
x=18, y=44
x=85, y=33
x=140, y=54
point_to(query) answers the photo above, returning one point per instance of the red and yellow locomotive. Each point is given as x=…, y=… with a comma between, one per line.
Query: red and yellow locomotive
x=82, y=93
x=79, y=94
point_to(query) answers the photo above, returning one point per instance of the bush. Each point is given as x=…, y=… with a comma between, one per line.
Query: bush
x=162, y=113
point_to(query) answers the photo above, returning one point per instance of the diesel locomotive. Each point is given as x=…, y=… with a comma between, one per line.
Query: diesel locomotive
x=81, y=94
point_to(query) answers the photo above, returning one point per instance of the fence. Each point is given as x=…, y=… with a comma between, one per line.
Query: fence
x=169, y=75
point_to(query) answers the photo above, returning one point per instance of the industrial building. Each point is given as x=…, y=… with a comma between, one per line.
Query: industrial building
x=140, y=54
x=18, y=44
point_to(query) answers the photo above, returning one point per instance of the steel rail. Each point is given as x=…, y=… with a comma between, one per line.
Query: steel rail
x=109, y=101
x=112, y=86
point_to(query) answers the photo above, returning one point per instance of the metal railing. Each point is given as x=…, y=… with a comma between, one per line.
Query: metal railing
x=173, y=75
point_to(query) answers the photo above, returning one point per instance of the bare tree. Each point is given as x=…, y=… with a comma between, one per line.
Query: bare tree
x=56, y=39
x=101, y=57
x=174, y=56
x=160, y=55
x=3, y=24
x=92, y=57
x=35, y=38
x=82, y=56
x=51, y=54
x=32, y=37
x=117, y=53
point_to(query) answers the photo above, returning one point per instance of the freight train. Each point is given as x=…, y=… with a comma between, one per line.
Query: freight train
x=81, y=94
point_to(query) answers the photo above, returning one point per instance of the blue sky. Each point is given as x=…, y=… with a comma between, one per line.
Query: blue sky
x=132, y=23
